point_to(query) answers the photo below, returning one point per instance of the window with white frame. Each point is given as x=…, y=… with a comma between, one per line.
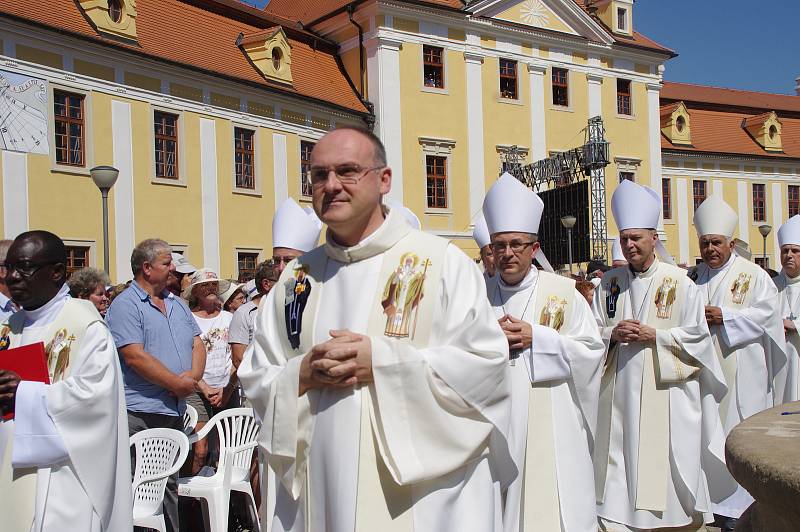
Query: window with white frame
x=436, y=160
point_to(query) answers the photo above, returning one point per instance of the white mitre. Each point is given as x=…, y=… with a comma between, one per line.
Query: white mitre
x=715, y=217
x=294, y=227
x=510, y=206
x=789, y=233
x=408, y=214
x=616, y=251
x=481, y=232
x=635, y=206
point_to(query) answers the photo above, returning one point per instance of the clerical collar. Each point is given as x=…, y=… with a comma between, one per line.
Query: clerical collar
x=528, y=281
x=47, y=312
x=724, y=266
x=393, y=228
x=649, y=272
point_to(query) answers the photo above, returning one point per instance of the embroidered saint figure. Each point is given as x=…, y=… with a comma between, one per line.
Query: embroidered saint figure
x=297, y=290
x=611, y=298
x=401, y=297
x=5, y=340
x=553, y=313
x=740, y=287
x=58, y=351
x=665, y=297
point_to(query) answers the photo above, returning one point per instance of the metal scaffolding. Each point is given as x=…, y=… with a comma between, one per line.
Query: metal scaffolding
x=563, y=168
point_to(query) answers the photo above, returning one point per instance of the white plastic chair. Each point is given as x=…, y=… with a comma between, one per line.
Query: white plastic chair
x=237, y=430
x=189, y=419
x=159, y=454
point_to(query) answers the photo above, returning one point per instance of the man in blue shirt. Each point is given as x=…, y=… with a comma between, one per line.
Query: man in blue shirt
x=161, y=354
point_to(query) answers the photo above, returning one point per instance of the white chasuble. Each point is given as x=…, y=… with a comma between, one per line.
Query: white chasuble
x=789, y=300
x=410, y=451
x=66, y=458
x=555, y=384
x=658, y=418
x=751, y=348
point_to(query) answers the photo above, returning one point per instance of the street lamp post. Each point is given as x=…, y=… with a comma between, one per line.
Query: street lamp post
x=104, y=177
x=764, y=230
x=569, y=222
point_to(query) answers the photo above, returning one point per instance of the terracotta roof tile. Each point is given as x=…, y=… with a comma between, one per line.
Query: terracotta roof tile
x=729, y=97
x=184, y=32
x=307, y=11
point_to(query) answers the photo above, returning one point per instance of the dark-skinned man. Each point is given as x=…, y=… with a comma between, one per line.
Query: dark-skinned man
x=64, y=459
x=159, y=345
x=742, y=312
x=7, y=307
x=386, y=386
x=788, y=284
x=658, y=412
x=557, y=358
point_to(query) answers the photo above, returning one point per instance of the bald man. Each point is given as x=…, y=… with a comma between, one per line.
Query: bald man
x=64, y=457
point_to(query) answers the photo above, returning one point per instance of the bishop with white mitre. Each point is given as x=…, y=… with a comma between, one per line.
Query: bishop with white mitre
x=658, y=412
x=382, y=419
x=555, y=367
x=741, y=309
x=64, y=458
x=788, y=283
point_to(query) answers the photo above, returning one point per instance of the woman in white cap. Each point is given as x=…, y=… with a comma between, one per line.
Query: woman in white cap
x=788, y=283
x=233, y=298
x=203, y=295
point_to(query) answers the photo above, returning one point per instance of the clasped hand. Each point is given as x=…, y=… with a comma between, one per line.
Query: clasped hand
x=629, y=331
x=713, y=316
x=9, y=382
x=518, y=333
x=341, y=362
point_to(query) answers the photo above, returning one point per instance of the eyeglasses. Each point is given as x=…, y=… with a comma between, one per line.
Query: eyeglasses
x=26, y=268
x=516, y=247
x=346, y=174
x=286, y=260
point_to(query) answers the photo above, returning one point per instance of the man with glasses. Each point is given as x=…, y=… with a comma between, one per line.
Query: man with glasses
x=555, y=366
x=7, y=307
x=295, y=230
x=381, y=418
x=64, y=458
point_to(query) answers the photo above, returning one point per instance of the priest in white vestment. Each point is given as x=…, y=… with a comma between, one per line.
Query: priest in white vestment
x=64, y=458
x=742, y=312
x=556, y=362
x=481, y=236
x=788, y=284
x=658, y=421
x=383, y=418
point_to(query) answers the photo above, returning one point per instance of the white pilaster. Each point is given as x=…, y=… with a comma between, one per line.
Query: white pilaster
x=595, y=83
x=280, y=168
x=475, y=160
x=777, y=220
x=209, y=194
x=122, y=152
x=654, y=130
x=538, y=135
x=741, y=196
x=717, y=187
x=683, y=220
x=383, y=67
x=15, y=193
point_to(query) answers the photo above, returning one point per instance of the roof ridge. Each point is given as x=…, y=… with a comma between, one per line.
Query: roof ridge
x=732, y=89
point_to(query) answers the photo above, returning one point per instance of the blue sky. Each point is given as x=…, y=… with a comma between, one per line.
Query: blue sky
x=741, y=44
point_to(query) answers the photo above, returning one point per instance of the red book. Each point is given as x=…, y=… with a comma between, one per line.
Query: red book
x=28, y=362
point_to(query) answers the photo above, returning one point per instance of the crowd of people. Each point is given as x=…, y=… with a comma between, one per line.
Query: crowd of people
x=398, y=386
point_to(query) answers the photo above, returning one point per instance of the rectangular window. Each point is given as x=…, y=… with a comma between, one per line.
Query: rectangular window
x=69, y=128
x=624, y=97
x=247, y=263
x=166, y=144
x=698, y=193
x=622, y=19
x=623, y=176
x=794, y=200
x=436, y=170
x=508, y=79
x=433, y=61
x=244, y=161
x=762, y=261
x=759, y=203
x=305, y=166
x=666, y=198
x=560, y=87
x=77, y=258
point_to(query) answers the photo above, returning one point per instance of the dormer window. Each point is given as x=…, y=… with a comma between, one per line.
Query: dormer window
x=113, y=18
x=680, y=124
x=115, y=11
x=773, y=132
x=622, y=19
x=276, y=58
x=676, y=124
x=270, y=52
x=765, y=130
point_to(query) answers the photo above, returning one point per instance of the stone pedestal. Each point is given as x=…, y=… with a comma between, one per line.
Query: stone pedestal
x=763, y=455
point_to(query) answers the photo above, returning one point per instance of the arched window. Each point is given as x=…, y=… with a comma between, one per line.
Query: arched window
x=115, y=10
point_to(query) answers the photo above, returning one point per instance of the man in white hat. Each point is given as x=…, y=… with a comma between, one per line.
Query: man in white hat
x=617, y=257
x=295, y=230
x=391, y=412
x=741, y=309
x=555, y=367
x=481, y=236
x=788, y=283
x=661, y=386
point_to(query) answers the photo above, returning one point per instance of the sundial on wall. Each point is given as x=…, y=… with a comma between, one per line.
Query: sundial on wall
x=23, y=113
